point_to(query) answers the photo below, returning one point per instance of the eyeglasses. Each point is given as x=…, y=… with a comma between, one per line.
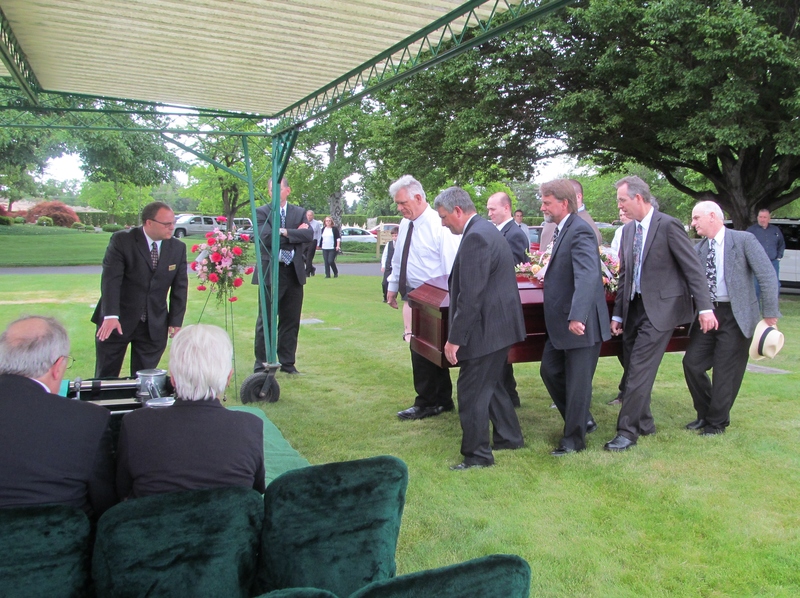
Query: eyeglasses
x=167, y=224
x=70, y=360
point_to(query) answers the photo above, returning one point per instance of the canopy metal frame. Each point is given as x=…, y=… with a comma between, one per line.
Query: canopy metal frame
x=27, y=105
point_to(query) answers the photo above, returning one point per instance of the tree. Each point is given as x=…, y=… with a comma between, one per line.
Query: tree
x=115, y=198
x=707, y=86
x=23, y=154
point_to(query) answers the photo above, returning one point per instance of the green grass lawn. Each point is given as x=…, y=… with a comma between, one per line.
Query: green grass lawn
x=679, y=515
x=30, y=245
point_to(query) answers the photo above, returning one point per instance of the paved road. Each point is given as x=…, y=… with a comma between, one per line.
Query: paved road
x=372, y=269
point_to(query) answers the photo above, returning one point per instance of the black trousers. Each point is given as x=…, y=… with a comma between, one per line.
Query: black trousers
x=146, y=352
x=643, y=348
x=431, y=383
x=309, y=251
x=479, y=403
x=567, y=375
x=724, y=350
x=290, y=306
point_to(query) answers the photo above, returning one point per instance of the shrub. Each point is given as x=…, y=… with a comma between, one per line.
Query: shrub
x=77, y=226
x=19, y=220
x=608, y=234
x=112, y=228
x=44, y=221
x=59, y=213
x=356, y=247
x=3, y=211
x=6, y=221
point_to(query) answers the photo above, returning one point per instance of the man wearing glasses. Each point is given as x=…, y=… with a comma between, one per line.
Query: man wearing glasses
x=143, y=294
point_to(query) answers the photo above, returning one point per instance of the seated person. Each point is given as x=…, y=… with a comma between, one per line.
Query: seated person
x=196, y=443
x=53, y=450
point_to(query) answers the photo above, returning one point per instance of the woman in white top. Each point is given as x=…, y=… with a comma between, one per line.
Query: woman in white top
x=330, y=243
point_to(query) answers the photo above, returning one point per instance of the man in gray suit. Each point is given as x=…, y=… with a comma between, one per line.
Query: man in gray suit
x=732, y=259
x=498, y=207
x=485, y=319
x=659, y=274
x=575, y=314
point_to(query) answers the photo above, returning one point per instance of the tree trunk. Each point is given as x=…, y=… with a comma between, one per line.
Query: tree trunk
x=335, y=202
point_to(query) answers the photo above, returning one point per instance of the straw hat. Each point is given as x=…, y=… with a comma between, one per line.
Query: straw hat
x=767, y=341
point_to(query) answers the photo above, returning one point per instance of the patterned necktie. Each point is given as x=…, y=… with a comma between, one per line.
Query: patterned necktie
x=286, y=254
x=154, y=255
x=638, y=239
x=403, y=281
x=555, y=237
x=711, y=270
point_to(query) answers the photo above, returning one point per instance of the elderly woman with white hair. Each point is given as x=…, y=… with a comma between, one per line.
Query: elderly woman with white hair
x=196, y=443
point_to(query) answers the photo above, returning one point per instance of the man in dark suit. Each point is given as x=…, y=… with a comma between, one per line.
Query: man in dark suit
x=575, y=315
x=196, y=443
x=732, y=259
x=583, y=213
x=659, y=274
x=485, y=319
x=52, y=450
x=142, y=269
x=498, y=207
x=295, y=233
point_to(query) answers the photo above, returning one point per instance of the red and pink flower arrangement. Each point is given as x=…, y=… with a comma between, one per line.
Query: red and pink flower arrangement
x=222, y=264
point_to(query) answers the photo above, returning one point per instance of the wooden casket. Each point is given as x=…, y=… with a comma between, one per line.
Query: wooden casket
x=430, y=304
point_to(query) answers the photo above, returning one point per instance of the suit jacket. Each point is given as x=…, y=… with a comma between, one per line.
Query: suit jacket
x=485, y=308
x=671, y=274
x=550, y=227
x=189, y=446
x=744, y=259
x=129, y=283
x=575, y=266
x=518, y=241
x=295, y=216
x=53, y=450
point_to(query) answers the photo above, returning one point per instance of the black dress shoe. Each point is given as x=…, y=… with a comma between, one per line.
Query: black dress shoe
x=712, y=431
x=696, y=424
x=464, y=465
x=619, y=443
x=591, y=426
x=422, y=412
x=563, y=450
x=291, y=370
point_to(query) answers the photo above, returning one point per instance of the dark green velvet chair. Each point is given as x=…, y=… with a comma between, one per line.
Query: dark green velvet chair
x=494, y=576
x=197, y=543
x=332, y=526
x=45, y=552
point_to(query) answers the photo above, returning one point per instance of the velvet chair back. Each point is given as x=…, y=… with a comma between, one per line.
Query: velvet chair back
x=45, y=552
x=332, y=526
x=198, y=543
x=494, y=576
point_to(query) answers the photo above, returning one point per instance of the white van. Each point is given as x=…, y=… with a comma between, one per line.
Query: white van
x=790, y=264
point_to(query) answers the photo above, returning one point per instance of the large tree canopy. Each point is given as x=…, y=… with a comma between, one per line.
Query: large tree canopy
x=709, y=86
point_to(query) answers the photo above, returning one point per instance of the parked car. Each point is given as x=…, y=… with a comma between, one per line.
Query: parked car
x=237, y=234
x=389, y=227
x=535, y=237
x=360, y=235
x=191, y=224
x=242, y=223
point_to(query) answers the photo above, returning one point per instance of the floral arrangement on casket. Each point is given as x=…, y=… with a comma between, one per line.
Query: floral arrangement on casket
x=222, y=264
x=538, y=260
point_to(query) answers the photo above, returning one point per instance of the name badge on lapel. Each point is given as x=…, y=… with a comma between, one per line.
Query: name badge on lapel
x=172, y=267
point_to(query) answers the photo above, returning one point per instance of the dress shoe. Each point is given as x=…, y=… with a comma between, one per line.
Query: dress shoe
x=422, y=412
x=464, y=465
x=711, y=431
x=563, y=450
x=591, y=426
x=291, y=370
x=616, y=400
x=619, y=443
x=696, y=424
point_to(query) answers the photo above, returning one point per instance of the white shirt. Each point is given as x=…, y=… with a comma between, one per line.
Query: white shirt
x=615, y=242
x=719, y=261
x=327, y=238
x=432, y=252
x=502, y=224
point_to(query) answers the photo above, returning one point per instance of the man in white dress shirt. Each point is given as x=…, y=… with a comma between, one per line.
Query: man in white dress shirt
x=425, y=250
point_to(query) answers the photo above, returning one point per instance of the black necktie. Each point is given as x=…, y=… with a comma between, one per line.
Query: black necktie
x=154, y=255
x=403, y=282
x=711, y=270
